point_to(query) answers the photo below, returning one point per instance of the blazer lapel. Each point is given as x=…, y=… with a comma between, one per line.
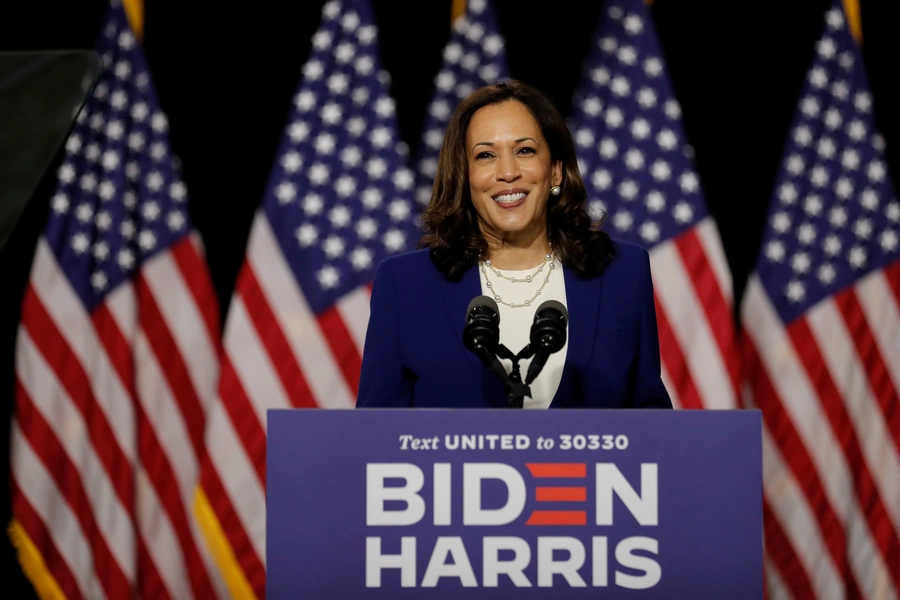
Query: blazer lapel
x=457, y=295
x=583, y=304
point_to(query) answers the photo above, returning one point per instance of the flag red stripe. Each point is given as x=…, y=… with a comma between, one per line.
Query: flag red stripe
x=171, y=363
x=797, y=458
x=783, y=555
x=718, y=310
x=557, y=469
x=148, y=581
x=278, y=350
x=159, y=470
x=245, y=555
x=119, y=353
x=892, y=276
x=673, y=358
x=557, y=517
x=196, y=277
x=67, y=367
x=243, y=418
x=343, y=348
x=872, y=361
x=68, y=480
x=560, y=494
x=41, y=537
x=833, y=407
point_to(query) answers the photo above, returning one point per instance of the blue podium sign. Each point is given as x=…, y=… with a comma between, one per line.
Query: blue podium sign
x=394, y=504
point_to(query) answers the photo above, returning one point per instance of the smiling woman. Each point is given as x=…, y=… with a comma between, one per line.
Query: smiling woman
x=508, y=219
x=510, y=178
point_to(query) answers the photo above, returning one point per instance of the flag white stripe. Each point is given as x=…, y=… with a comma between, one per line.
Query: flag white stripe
x=883, y=315
x=670, y=386
x=848, y=374
x=801, y=404
x=709, y=237
x=159, y=535
x=185, y=322
x=354, y=310
x=251, y=363
x=690, y=325
x=48, y=397
x=73, y=323
x=238, y=477
x=787, y=501
x=775, y=587
x=39, y=488
x=122, y=305
x=155, y=525
x=295, y=318
x=164, y=416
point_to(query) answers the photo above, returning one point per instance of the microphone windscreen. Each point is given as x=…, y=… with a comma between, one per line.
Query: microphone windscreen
x=553, y=305
x=485, y=301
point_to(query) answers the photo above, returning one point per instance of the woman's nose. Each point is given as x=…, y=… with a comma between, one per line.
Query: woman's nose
x=507, y=167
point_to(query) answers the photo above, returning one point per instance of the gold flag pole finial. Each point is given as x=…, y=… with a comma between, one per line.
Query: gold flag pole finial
x=457, y=10
x=851, y=9
x=134, y=10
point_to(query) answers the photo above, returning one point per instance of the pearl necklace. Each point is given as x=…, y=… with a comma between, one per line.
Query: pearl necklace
x=548, y=259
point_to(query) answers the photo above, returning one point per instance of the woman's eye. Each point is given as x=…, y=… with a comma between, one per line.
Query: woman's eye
x=481, y=155
x=526, y=150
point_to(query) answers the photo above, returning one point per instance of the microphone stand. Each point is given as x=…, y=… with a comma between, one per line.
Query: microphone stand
x=516, y=389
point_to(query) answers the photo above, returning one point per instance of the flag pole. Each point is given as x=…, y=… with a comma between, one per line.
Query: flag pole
x=854, y=20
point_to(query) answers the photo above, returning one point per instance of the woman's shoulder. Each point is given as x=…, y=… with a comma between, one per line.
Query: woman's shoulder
x=412, y=260
x=629, y=255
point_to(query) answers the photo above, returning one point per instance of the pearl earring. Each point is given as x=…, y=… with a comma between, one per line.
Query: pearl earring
x=555, y=190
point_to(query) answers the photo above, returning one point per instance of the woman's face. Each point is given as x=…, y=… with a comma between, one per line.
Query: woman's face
x=510, y=173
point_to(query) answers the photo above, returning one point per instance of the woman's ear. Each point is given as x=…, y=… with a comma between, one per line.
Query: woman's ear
x=556, y=169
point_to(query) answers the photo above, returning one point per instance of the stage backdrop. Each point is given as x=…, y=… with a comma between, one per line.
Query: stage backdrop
x=226, y=76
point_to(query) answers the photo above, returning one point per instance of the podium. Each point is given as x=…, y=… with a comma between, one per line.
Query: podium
x=491, y=504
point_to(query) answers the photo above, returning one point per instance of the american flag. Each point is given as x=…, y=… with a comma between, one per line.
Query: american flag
x=116, y=358
x=474, y=56
x=637, y=167
x=339, y=199
x=822, y=343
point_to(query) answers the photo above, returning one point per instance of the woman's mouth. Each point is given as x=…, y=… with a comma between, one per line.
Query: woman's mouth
x=510, y=200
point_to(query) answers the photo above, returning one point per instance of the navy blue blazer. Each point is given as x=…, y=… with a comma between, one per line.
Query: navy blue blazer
x=414, y=353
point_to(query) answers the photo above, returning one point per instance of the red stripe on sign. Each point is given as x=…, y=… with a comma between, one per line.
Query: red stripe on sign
x=557, y=469
x=278, y=350
x=560, y=494
x=557, y=517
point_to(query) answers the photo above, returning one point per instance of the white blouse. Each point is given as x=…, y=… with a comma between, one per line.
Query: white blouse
x=515, y=323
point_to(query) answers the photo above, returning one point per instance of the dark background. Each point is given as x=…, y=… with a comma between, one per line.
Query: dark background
x=225, y=76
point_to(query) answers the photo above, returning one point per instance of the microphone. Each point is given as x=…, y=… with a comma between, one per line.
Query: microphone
x=548, y=335
x=481, y=334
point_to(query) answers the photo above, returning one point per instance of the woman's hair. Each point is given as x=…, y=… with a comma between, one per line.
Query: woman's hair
x=453, y=236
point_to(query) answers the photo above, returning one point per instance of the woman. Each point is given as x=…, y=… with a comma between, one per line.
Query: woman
x=508, y=219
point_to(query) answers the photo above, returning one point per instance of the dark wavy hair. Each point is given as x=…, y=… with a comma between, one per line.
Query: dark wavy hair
x=453, y=236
